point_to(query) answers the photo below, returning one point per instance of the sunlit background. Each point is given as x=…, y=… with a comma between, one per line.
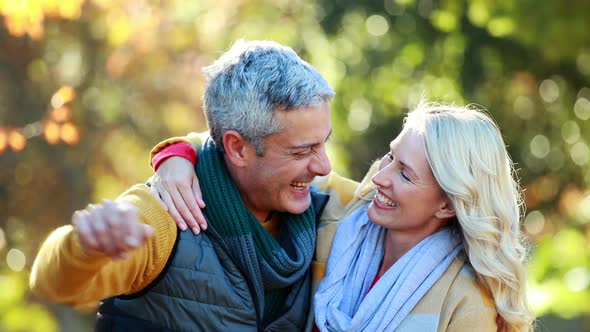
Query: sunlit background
x=88, y=87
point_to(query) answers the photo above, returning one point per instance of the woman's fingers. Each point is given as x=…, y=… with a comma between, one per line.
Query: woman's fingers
x=181, y=200
x=172, y=210
x=178, y=187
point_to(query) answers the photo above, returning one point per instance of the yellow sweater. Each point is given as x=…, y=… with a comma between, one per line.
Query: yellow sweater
x=63, y=273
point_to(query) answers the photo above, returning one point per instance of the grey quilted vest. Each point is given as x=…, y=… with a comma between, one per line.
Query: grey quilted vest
x=201, y=289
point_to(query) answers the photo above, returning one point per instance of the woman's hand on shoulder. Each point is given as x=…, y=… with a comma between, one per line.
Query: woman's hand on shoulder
x=176, y=186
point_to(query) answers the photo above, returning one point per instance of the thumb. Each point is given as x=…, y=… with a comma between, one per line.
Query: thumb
x=148, y=231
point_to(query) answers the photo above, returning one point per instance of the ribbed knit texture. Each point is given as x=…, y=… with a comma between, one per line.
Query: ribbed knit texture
x=273, y=267
x=63, y=273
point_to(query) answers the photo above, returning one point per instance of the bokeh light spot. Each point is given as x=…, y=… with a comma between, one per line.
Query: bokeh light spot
x=16, y=260
x=539, y=297
x=51, y=132
x=577, y=279
x=534, y=222
x=377, y=25
x=412, y=54
x=580, y=153
x=540, y=146
x=582, y=108
x=17, y=140
x=444, y=20
x=359, y=117
x=478, y=13
x=570, y=131
x=69, y=133
x=64, y=95
x=120, y=31
x=549, y=90
x=500, y=26
x=32, y=129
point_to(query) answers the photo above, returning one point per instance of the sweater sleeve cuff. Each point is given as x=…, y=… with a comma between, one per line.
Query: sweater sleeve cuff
x=180, y=149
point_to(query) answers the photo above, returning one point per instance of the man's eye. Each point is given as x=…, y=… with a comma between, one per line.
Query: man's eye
x=302, y=154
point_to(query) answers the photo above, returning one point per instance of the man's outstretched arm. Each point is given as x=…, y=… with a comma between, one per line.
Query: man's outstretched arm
x=108, y=251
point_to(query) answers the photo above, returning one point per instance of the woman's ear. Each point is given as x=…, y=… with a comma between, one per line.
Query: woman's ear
x=445, y=210
x=238, y=150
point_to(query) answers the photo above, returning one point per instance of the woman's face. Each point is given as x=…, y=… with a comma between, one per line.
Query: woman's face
x=408, y=197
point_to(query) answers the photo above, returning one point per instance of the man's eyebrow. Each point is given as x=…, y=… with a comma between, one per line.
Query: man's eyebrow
x=311, y=145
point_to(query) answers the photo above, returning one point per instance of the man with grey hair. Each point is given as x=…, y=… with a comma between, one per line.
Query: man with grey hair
x=269, y=118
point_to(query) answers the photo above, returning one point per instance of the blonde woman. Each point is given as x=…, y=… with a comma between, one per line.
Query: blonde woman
x=433, y=243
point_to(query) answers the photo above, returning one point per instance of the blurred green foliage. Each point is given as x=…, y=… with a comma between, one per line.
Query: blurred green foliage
x=88, y=87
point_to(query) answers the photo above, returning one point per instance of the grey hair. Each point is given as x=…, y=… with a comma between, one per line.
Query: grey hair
x=252, y=81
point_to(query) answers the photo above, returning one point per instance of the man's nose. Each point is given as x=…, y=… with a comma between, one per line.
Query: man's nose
x=320, y=164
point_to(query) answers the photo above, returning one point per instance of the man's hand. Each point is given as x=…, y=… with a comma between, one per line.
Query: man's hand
x=176, y=186
x=111, y=228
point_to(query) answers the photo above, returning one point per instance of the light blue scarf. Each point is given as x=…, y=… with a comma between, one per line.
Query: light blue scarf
x=344, y=300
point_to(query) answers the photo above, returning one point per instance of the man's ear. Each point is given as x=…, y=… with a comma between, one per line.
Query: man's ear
x=445, y=210
x=238, y=150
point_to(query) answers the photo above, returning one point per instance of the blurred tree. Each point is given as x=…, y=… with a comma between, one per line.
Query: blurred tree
x=87, y=87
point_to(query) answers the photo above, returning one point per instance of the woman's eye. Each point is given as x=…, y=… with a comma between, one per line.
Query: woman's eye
x=404, y=176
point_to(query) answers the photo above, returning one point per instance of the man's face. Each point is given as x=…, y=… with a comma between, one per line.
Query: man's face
x=280, y=179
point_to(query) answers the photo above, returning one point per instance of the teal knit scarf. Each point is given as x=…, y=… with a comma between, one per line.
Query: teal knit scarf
x=272, y=267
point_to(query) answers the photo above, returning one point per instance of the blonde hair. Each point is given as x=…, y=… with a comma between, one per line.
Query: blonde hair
x=469, y=160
